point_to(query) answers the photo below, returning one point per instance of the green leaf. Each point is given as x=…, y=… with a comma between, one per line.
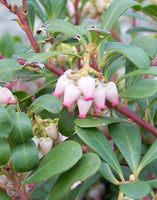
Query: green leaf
x=47, y=102
x=7, y=65
x=149, y=157
x=135, y=54
x=144, y=42
x=150, y=9
x=4, y=195
x=153, y=183
x=137, y=29
x=58, y=8
x=31, y=15
x=5, y=122
x=4, y=151
x=98, y=143
x=85, y=168
x=25, y=156
x=58, y=25
x=66, y=124
x=7, y=45
x=22, y=128
x=142, y=89
x=58, y=160
x=150, y=71
x=47, y=6
x=115, y=10
x=128, y=139
x=95, y=121
x=106, y=172
x=136, y=190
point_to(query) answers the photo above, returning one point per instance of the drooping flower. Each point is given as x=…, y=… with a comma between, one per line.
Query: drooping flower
x=60, y=86
x=87, y=87
x=111, y=92
x=83, y=107
x=71, y=94
x=6, y=97
x=45, y=144
x=99, y=98
x=52, y=132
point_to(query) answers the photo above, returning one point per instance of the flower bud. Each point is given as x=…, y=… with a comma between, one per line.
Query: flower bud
x=99, y=97
x=83, y=107
x=4, y=180
x=36, y=140
x=6, y=96
x=52, y=132
x=60, y=86
x=45, y=144
x=71, y=94
x=112, y=93
x=87, y=87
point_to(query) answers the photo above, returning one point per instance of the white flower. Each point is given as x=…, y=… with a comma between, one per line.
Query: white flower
x=87, y=87
x=99, y=98
x=71, y=94
x=4, y=180
x=45, y=144
x=83, y=107
x=51, y=131
x=60, y=86
x=6, y=96
x=112, y=93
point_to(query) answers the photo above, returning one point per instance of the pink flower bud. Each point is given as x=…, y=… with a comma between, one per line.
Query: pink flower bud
x=99, y=98
x=71, y=94
x=45, y=144
x=87, y=87
x=6, y=96
x=112, y=93
x=4, y=180
x=60, y=86
x=83, y=107
x=52, y=132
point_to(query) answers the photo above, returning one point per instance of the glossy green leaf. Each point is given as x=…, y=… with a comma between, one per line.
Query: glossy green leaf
x=150, y=9
x=135, y=54
x=66, y=124
x=85, y=168
x=58, y=160
x=7, y=65
x=149, y=157
x=150, y=71
x=99, y=143
x=5, y=122
x=4, y=151
x=144, y=42
x=4, y=195
x=31, y=15
x=107, y=173
x=58, y=25
x=142, y=89
x=115, y=10
x=136, y=190
x=153, y=183
x=128, y=139
x=22, y=128
x=95, y=121
x=47, y=102
x=25, y=156
x=7, y=45
x=47, y=6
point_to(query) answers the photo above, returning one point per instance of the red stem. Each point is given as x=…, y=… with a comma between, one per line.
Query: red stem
x=123, y=110
x=77, y=16
x=116, y=36
x=54, y=69
x=24, y=4
x=26, y=29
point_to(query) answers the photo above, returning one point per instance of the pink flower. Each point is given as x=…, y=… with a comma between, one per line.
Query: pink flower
x=52, y=131
x=87, y=87
x=6, y=96
x=60, y=86
x=99, y=98
x=112, y=93
x=71, y=94
x=70, y=7
x=83, y=107
x=45, y=144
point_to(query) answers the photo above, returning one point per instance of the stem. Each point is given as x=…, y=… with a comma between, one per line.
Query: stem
x=116, y=36
x=26, y=29
x=120, y=195
x=7, y=187
x=123, y=110
x=77, y=16
x=53, y=68
x=24, y=6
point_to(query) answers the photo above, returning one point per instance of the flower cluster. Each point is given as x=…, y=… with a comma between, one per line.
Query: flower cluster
x=6, y=97
x=85, y=92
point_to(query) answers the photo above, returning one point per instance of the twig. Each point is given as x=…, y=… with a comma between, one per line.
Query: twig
x=116, y=36
x=54, y=68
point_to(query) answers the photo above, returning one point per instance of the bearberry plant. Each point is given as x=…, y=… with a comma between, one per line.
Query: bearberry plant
x=78, y=101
